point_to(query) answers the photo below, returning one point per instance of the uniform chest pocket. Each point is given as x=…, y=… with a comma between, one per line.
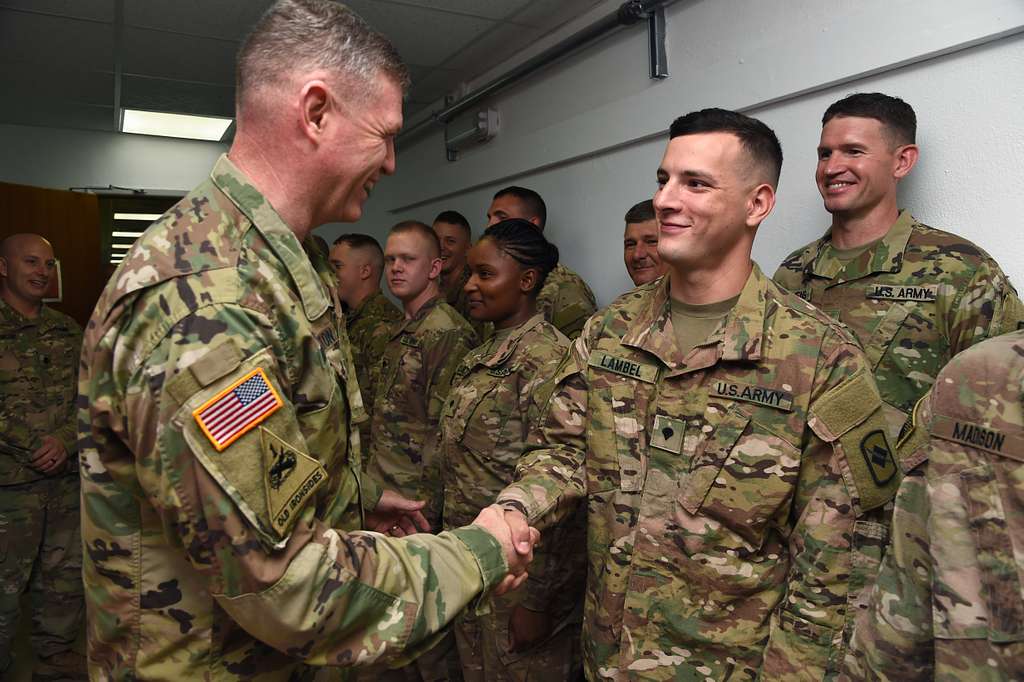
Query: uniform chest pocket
x=885, y=332
x=478, y=415
x=1000, y=576
x=743, y=477
x=618, y=444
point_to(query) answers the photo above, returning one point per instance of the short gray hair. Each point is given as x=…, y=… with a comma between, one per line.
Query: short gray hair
x=310, y=34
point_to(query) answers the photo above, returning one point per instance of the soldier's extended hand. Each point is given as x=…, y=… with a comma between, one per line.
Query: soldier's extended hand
x=517, y=543
x=50, y=457
x=397, y=516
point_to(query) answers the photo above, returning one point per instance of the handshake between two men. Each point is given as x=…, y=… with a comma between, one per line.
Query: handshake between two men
x=398, y=517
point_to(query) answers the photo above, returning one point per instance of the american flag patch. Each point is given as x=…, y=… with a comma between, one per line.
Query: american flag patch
x=231, y=413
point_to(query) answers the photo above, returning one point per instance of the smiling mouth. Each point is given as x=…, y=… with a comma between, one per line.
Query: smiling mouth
x=838, y=185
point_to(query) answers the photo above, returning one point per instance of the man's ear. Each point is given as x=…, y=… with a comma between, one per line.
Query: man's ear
x=366, y=271
x=906, y=158
x=536, y=221
x=760, y=204
x=3, y=266
x=315, y=102
x=435, y=268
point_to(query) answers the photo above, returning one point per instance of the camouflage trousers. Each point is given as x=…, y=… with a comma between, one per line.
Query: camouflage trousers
x=483, y=643
x=41, y=550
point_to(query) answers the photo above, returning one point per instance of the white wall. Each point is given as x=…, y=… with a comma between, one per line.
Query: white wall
x=60, y=159
x=588, y=133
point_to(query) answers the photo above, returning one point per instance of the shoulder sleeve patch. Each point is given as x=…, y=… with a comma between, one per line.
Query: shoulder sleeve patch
x=227, y=416
x=845, y=406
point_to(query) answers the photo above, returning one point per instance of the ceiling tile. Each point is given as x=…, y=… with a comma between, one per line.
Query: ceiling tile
x=422, y=36
x=177, y=97
x=69, y=115
x=168, y=55
x=54, y=41
x=550, y=14
x=502, y=43
x=95, y=10
x=21, y=85
x=228, y=19
x=492, y=9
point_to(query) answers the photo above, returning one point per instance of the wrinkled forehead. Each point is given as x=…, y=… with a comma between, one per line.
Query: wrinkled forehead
x=641, y=230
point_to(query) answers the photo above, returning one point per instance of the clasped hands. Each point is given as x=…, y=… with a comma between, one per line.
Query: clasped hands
x=399, y=517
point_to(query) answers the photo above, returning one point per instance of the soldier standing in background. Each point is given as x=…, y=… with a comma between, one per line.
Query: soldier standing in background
x=948, y=604
x=726, y=438
x=565, y=301
x=497, y=396
x=640, y=244
x=358, y=261
x=219, y=460
x=416, y=371
x=40, y=529
x=455, y=236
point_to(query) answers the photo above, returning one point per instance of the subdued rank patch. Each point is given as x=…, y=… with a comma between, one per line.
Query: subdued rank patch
x=500, y=372
x=290, y=477
x=770, y=397
x=878, y=456
x=668, y=433
x=624, y=366
x=978, y=436
x=410, y=340
x=230, y=414
x=925, y=293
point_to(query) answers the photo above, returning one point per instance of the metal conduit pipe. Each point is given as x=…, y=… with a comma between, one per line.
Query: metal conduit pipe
x=629, y=13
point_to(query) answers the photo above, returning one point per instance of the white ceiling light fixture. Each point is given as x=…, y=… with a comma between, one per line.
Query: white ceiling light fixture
x=126, y=235
x=144, y=217
x=164, y=124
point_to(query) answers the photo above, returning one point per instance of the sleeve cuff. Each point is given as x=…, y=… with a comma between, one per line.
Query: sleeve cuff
x=370, y=492
x=487, y=551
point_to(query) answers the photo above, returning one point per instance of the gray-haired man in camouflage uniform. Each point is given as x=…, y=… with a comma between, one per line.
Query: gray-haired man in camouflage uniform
x=220, y=457
x=40, y=540
x=948, y=603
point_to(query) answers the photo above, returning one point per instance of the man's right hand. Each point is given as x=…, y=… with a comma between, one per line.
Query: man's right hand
x=517, y=539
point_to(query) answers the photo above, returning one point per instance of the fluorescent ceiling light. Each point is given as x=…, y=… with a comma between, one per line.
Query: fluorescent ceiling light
x=126, y=235
x=145, y=217
x=121, y=246
x=174, y=125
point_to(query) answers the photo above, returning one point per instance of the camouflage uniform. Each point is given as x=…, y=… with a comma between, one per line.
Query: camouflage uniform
x=194, y=523
x=369, y=327
x=948, y=603
x=497, y=395
x=416, y=371
x=916, y=299
x=725, y=490
x=40, y=541
x=566, y=301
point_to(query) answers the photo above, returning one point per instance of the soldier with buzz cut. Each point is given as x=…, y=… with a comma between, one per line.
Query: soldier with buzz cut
x=948, y=603
x=40, y=539
x=915, y=296
x=726, y=438
x=358, y=261
x=221, y=479
x=565, y=301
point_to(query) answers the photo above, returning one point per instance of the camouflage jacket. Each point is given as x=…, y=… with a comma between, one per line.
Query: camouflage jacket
x=948, y=603
x=916, y=299
x=38, y=370
x=220, y=472
x=566, y=301
x=726, y=490
x=416, y=371
x=497, y=396
x=369, y=327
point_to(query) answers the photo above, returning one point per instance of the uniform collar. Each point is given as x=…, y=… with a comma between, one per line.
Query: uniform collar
x=368, y=302
x=739, y=337
x=410, y=325
x=507, y=347
x=230, y=180
x=12, y=319
x=885, y=256
x=454, y=288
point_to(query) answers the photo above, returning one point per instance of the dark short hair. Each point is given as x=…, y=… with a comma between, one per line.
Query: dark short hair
x=454, y=218
x=523, y=242
x=364, y=241
x=756, y=138
x=422, y=229
x=640, y=213
x=896, y=115
x=531, y=200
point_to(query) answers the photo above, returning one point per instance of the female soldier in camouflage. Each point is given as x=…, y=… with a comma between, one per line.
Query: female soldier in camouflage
x=498, y=391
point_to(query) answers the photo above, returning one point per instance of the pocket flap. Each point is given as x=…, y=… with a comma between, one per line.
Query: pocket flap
x=710, y=458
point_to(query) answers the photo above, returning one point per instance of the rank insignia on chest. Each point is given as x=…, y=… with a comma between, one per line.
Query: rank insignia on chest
x=668, y=433
x=925, y=293
x=500, y=372
x=234, y=411
x=410, y=340
x=624, y=366
x=769, y=397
